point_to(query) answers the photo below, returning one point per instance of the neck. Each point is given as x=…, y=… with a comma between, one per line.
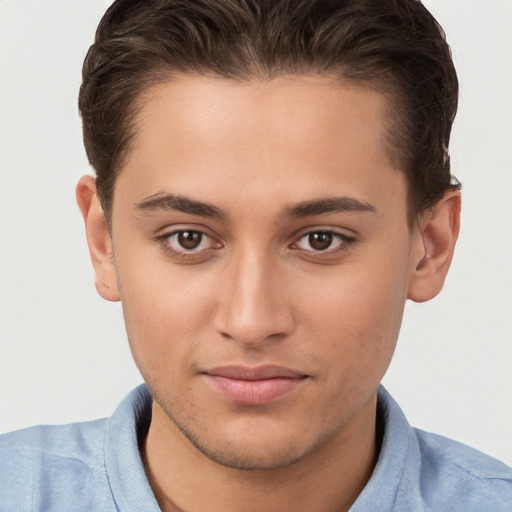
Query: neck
x=329, y=479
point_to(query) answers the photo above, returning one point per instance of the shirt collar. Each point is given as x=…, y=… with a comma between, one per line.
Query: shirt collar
x=125, y=470
x=393, y=487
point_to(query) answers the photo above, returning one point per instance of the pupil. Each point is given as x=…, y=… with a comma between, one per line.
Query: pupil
x=189, y=239
x=320, y=241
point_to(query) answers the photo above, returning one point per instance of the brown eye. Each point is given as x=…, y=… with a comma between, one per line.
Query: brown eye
x=320, y=241
x=185, y=243
x=189, y=239
x=326, y=242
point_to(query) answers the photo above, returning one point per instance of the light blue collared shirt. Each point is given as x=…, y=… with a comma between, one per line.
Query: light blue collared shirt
x=96, y=466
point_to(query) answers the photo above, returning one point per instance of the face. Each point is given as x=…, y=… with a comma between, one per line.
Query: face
x=263, y=258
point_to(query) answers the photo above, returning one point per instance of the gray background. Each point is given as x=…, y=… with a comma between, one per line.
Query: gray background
x=63, y=351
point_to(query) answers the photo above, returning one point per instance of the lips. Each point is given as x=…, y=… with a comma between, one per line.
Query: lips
x=254, y=386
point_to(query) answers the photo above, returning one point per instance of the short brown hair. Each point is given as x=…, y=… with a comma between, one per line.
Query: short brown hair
x=395, y=46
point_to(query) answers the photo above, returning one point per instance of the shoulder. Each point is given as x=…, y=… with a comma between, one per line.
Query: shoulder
x=54, y=466
x=426, y=472
x=82, y=439
x=455, y=477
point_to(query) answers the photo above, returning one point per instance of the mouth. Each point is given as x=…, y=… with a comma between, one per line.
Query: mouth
x=255, y=386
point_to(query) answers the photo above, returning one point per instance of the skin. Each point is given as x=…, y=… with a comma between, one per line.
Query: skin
x=257, y=290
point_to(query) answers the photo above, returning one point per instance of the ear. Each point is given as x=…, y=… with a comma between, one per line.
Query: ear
x=98, y=238
x=434, y=243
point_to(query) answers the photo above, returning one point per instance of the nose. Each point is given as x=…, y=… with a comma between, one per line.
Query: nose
x=253, y=306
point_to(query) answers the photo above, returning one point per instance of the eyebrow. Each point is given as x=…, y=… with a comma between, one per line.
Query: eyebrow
x=328, y=205
x=172, y=202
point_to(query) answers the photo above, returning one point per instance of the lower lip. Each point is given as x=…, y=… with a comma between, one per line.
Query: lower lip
x=255, y=392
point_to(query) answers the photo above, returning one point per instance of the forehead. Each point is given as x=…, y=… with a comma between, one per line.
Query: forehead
x=294, y=135
x=285, y=110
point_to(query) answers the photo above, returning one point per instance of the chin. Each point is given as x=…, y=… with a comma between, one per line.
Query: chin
x=262, y=447
x=250, y=457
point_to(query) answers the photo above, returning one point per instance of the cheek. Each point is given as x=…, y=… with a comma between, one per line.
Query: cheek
x=357, y=311
x=166, y=310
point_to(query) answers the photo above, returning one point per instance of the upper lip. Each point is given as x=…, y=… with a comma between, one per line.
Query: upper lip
x=257, y=373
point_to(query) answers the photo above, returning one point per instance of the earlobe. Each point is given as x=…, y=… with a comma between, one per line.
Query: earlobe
x=433, y=249
x=98, y=238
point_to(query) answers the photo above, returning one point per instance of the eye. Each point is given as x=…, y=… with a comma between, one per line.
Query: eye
x=323, y=241
x=187, y=241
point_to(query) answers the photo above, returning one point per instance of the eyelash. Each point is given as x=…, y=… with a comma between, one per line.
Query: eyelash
x=345, y=242
x=164, y=241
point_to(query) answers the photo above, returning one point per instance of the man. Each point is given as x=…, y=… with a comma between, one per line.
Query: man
x=272, y=184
